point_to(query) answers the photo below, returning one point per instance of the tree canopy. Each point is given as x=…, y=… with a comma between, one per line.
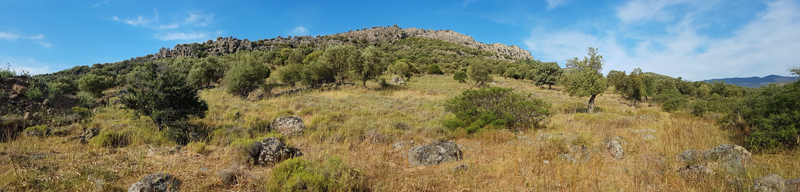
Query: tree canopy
x=585, y=77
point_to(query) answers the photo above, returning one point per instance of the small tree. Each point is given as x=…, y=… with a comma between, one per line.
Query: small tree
x=244, y=77
x=547, y=73
x=368, y=65
x=496, y=107
x=479, y=71
x=586, y=77
x=164, y=96
x=401, y=68
x=291, y=74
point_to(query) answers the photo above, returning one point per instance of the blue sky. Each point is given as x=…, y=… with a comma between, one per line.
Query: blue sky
x=693, y=39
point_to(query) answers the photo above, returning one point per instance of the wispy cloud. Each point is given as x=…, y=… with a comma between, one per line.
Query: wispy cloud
x=181, y=36
x=138, y=21
x=98, y=4
x=199, y=19
x=299, y=31
x=764, y=45
x=170, y=26
x=554, y=3
x=45, y=44
x=15, y=36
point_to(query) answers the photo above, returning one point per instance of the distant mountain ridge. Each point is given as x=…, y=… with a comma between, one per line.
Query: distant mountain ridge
x=756, y=82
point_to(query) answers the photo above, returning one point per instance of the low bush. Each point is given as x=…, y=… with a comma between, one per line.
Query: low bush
x=460, y=76
x=674, y=104
x=434, y=69
x=111, y=139
x=298, y=174
x=495, y=107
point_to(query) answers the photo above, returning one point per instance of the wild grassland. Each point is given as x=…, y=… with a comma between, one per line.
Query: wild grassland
x=359, y=125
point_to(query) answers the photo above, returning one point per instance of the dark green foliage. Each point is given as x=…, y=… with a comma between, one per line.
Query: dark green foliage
x=367, y=65
x=586, y=77
x=774, y=115
x=460, y=76
x=291, y=74
x=164, y=96
x=496, y=107
x=401, y=68
x=434, y=69
x=298, y=174
x=674, y=104
x=714, y=104
x=479, y=72
x=637, y=86
x=111, y=139
x=95, y=84
x=546, y=73
x=244, y=77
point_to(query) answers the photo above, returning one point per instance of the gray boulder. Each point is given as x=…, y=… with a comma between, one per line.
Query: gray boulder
x=772, y=181
x=726, y=157
x=615, y=149
x=288, y=125
x=272, y=151
x=157, y=182
x=398, y=80
x=695, y=172
x=434, y=153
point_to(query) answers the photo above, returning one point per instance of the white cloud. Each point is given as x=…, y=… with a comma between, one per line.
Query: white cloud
x=467, y=2
x=170, y=26
x=299, y=31
x=14, y=36
x=199, y=19
x=138, y=21
x=766, y=45
x=29, y=65
x=45, y=44
x=181, y=36
x=554, y=3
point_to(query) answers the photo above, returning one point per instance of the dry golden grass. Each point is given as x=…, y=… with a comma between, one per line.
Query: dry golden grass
x=339, y=119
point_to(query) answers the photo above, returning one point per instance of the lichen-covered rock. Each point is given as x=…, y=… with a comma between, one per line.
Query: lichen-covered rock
x=157, y=182
x=615, y=149
x=726, y=157
x=695, y=172
x=728, y=153
x=792, y=185
x=434, y=153
x=398, y=80
x=772, y=181
x=273, y=151
x=87, y=135
x=288, y=125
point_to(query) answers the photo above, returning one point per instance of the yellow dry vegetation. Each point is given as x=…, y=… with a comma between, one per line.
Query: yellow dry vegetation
x=360, y=125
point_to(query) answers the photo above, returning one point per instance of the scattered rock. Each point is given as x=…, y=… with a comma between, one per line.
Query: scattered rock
x=27, y=116
x=273, y=151
x=288, y=125
x=648, y=137
x=459, y=168
x=19, y=89
x=401, y=144
x=45, y=102
x=434, y=153
x=695, y=172
x=157, y=182
x=230, y=175
x=13, y=96
x=34, y=133
x=615, y=149
x=86, y=135
x=690, y=156
x=398, y=80
x=772, y=181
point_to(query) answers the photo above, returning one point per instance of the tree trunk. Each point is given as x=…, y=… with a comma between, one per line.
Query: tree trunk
x=591, y=103
x=549, y=86
x=364, y=84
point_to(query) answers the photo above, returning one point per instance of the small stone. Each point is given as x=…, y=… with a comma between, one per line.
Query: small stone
x=288, y=125
x=462, y=167
x=157, y=182
x=615, y=149
x=648, y=137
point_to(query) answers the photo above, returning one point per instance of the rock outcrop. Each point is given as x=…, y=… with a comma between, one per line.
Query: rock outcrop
x=726, y=157
x=157, y=182
x=288, y=125
x=434, y=153
x=272, y=151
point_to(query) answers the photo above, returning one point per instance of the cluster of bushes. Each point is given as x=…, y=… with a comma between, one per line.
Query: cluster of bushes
x=541, y=73
x=495, y=107
x=770, y=118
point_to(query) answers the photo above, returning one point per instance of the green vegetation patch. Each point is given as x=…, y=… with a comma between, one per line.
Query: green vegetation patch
x=495, y=107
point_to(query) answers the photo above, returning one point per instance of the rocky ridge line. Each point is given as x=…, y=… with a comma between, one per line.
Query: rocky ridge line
x=227, y=45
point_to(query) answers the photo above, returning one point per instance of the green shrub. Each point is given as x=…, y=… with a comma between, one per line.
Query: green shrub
x=164, y=96
x=460, y=76
x=298, y=174
x=774, y=115
x=496, y=107
x=7, y=72
x=40, y=128
x=434, y=69
x=291, y=74
x=674, y=104
x=85, y=98
x=111, y=139
x=95, y=84
x=244, y=77
x=82, y=112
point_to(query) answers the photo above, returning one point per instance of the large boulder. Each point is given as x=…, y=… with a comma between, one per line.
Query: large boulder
x=272, y=151
x=157, y=182
x=434, y=153
x=288, y=125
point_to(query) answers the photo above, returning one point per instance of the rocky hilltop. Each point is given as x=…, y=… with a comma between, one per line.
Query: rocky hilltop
x=389, y=34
